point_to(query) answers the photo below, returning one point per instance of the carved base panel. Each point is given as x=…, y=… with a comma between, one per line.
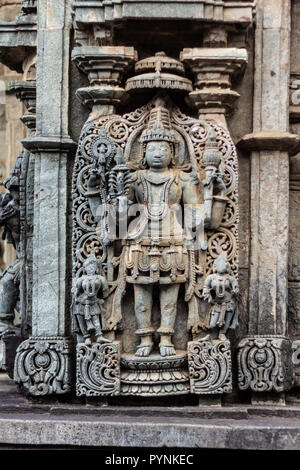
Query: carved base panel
x=154, y=375
x=265, y=363
x=210, y=366
x=42, y=365
x=98, y=369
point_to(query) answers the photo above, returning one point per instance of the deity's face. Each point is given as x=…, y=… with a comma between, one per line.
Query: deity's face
x=91, y=269
x=158, y=154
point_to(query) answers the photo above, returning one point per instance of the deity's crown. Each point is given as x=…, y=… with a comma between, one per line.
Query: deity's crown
x=91, y=259
x=159, y=125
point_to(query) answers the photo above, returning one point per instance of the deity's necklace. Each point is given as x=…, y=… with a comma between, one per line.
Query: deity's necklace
x=163, y=198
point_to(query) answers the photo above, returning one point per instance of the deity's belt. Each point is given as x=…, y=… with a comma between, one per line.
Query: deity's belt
x=156, y=242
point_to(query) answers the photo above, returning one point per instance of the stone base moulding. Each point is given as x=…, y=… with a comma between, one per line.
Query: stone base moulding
x=265, y=363
x=42, y=365
x=210, y=366
x=98, y=369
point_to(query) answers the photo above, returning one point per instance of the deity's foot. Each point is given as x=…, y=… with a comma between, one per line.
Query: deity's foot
x=205, y=338
x=100, y=339
x=222, y=337
x=88, y=341
x=144, y=350
x=167, y=350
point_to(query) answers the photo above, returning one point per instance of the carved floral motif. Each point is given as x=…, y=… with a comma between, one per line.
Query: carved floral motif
x=42, y=365
x=98, y=369
x=265, y=364
x=210, y=366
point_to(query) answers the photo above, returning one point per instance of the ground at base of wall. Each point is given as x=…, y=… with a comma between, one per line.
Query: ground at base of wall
x=24, y=423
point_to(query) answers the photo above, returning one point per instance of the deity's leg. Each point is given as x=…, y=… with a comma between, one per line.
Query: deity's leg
x=168, y=307
x=82, y=325
x=98, y=332
x=223, y=330
x=143, y=308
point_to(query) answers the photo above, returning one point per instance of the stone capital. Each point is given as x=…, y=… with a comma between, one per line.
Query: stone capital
x=106, y=64
x=56, y=144
x=271, y=140
x=214, y=69
x=105, y=67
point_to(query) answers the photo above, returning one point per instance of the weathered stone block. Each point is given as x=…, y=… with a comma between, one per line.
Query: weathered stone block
x=210, y=366
x=98, y=369
x=265, y=363
x=42, y=365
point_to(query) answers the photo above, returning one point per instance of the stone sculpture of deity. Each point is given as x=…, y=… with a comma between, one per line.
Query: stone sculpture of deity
x=157, y=251
x=221, y=290
x=88, y=312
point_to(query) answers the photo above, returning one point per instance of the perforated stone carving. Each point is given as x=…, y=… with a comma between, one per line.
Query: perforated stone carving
x=98, y=369
x=210, y=366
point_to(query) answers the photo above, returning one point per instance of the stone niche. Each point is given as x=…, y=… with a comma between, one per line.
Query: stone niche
x=147, y=262
x=155, y=233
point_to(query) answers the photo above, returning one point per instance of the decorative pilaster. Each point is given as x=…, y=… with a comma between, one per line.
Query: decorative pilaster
x=214, y=69
x=26, y=92
x=51, y=144
x=266, y=351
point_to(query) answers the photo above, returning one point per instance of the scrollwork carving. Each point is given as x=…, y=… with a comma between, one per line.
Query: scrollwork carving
x=210, y=366
x=265, y=364
x=42, y=365
x=98, y=369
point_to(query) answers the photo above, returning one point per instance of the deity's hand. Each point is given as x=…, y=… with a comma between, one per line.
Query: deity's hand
x=207, y=296
x=93, y=178
x=122, y=203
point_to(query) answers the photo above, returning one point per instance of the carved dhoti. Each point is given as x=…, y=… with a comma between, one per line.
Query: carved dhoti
x=162, y=262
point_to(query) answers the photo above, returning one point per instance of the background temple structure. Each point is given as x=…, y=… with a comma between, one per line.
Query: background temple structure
x=150, y=210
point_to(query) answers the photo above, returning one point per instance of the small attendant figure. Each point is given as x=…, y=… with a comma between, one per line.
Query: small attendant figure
x=88, y=312
x=221, y=290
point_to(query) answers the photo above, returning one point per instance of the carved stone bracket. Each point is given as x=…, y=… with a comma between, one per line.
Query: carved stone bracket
x=265, y=363
x=42, y=365
x=25, y=91
x=214, y=70
x=98, y=369
x=210, y=366
x=271, y=140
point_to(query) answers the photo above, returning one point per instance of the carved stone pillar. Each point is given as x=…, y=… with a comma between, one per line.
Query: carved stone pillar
x=26, y=92
x=51, y=144
x=214, y=69
x=266, y=351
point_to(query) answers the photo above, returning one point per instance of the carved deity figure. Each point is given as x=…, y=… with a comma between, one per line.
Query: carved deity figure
x=10, y=224
x=221, y=290
x=88, y=312
x=156, y=252
x=159, y=243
